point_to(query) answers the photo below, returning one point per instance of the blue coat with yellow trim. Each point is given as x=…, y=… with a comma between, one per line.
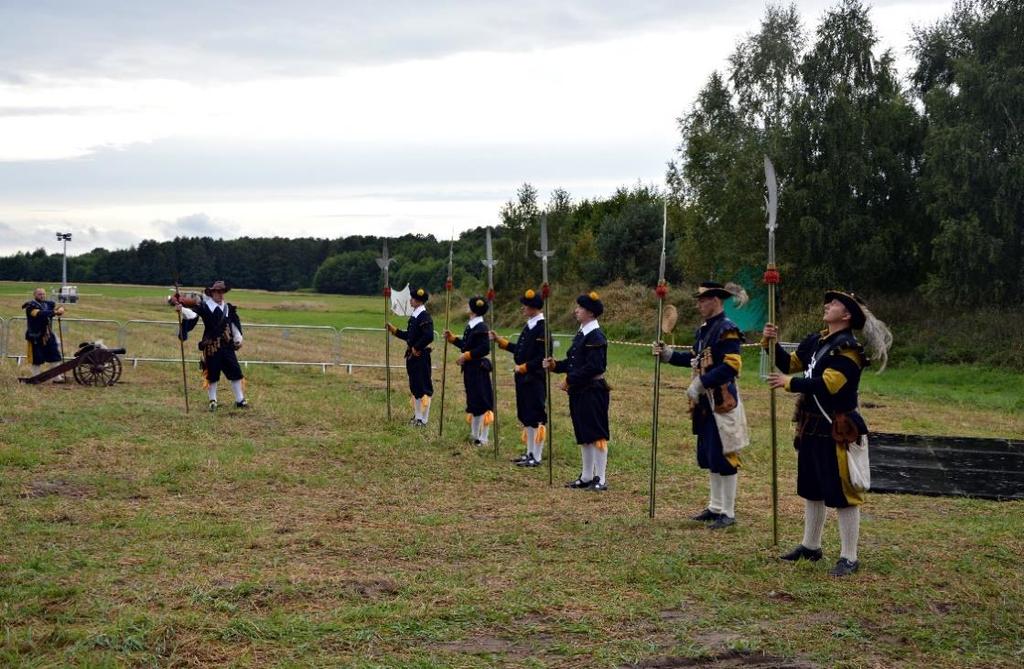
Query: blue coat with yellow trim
x=718, y=342
x=832, y=366
x=835, y=363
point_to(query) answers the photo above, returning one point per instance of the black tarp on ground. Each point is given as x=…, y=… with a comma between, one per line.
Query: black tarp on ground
x=953, y=466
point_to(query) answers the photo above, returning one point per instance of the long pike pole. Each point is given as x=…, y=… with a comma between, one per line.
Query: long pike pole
x=489, y=263
x=771, y=278
x=545, y=292
x=181, y=345
x=384, y=262
x=448, y=285
x=660, y=291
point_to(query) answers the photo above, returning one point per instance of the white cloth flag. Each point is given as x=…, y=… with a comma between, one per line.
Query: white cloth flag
x=400, y=302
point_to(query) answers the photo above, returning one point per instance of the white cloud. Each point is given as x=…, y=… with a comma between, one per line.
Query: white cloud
x=329, y=119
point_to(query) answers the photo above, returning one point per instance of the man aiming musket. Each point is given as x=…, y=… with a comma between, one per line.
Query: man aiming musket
x=222, y=336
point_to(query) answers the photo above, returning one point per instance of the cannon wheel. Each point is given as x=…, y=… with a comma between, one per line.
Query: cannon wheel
x=98, y=368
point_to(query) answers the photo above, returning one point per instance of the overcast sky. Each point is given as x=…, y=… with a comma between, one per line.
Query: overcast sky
x=128, y=121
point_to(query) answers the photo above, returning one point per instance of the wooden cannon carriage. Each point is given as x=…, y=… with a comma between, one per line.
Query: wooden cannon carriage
x=93, y=365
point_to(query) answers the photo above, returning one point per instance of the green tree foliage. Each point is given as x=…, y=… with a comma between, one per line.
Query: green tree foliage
x=970, y=79
x=846, y=143
x=349, y=273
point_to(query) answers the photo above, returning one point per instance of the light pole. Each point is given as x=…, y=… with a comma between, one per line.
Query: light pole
x=64, y=237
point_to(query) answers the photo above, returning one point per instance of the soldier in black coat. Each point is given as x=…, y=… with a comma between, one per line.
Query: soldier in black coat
x=418, y=336
x=531, y=392
x=42, y=345
x=222, y=336
x=584, y=368
x=827, y=419
x=476, y=371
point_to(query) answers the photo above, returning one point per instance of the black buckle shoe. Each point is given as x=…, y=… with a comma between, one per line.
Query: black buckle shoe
x=801, y=552
x=844, y=567
x=213, y=405
x=579, y=484
x=722, y=522
x=528, y=461
x=522, y=458
x=532, y=463
x=597, y=485
x=705, y=516
x=242, y=404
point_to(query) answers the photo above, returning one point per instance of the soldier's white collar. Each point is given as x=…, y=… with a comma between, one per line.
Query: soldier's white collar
x=418, y=310
x=532, y=323
x=590, y=327
x=473, y=322
x=211, y=305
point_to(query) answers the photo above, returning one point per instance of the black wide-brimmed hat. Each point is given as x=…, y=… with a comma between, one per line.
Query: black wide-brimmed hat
x=532, y=298
x=218, y=285
x=478, y=305
x=712, y=289
x=421, y=294
x=591, y=302
x=853, y=304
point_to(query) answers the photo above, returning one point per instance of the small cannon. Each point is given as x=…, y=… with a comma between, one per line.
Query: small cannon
x=93, y=365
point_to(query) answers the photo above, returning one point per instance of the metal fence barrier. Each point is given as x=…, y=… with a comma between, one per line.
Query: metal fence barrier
x=263, y=344
x=320, y=346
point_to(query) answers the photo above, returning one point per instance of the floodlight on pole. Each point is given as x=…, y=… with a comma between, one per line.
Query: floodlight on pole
x=64, y=237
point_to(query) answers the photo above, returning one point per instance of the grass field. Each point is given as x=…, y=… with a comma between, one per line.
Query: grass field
x=309, y=531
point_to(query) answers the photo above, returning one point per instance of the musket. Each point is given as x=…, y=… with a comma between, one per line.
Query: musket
x=771, y=278
x=384, y=262
x=447, y=312
x=661, y=290
x=489, y=263
x=545, y=291
x=181, y=346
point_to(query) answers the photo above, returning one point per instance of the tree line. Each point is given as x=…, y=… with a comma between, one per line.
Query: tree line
x=886, y=186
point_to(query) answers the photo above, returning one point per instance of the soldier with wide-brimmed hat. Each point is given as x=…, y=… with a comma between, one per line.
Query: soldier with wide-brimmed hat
x=476, y=371
x=717, y=414
x=531, y=390
x=418, y=336
x=584, y=367
x=828, y=424
x=222, y=337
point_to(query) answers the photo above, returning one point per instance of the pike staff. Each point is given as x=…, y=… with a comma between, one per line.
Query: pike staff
x=545, y=291
x=489, y=263
x=384, y=262
x=181, y=345
x=448, y=284
x=661, y=291
x=771, y=278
